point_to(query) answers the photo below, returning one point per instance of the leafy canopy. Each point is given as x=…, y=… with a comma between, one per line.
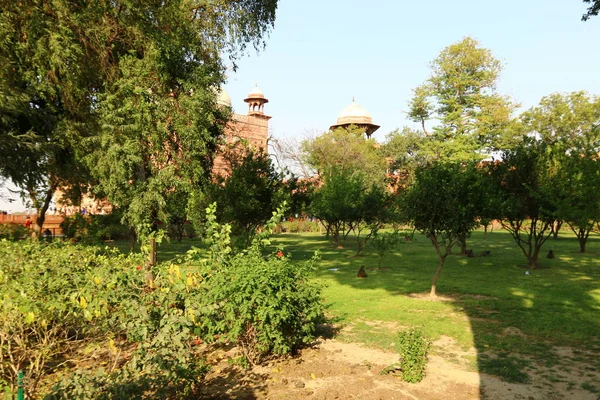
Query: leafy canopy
x=470, y=116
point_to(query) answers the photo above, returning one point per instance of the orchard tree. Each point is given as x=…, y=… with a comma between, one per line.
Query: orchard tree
x=471, y=118
x=439, y=206
x=248, y=193
x=578, y=203
x=349, y=203
x=526, y=190
x=570, y=124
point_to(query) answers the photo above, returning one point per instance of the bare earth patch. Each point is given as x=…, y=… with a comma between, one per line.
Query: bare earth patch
x=336, y=370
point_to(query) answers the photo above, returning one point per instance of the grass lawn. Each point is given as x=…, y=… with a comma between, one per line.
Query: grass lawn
x=489, y=303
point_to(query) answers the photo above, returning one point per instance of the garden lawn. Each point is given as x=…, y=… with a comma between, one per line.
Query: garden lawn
x=491, y=303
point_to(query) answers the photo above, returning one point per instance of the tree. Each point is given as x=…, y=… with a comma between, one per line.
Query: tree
x=438, y=208
x=570, y=124
x=593, y=10
x=136, y=78
x=402, y=150
x=45, y=95
x=578, y=203
x=526, y=191
x=250, y=192
x=472, y=117
x=347, y=150
x=347, y=202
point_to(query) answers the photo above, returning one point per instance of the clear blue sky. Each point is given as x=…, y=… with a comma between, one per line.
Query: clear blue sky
x=322, y=53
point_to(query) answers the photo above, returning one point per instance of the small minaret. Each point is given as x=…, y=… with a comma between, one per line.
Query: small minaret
x=256, y=102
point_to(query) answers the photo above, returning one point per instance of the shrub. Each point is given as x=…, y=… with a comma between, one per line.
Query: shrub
x=13, y=231
x=54, y=295
x=262, y=303
x=413, y=349
x=95, y=228
x=298, y=226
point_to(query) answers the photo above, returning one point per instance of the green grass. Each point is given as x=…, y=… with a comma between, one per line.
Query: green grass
x=487, y=297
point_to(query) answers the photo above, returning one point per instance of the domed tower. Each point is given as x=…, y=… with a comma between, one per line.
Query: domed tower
x=223, y=98
x=256, y=102
x=356, y=115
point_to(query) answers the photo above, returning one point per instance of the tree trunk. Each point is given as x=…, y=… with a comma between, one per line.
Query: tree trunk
x=485, y=232
x=40, y=216
x=582, y=240
x=462, y=238
x=533, y=260
x=555, y=227
x=432, y=293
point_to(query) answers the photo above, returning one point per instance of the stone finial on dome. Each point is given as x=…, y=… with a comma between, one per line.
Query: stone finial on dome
x=256, y=101
x=354, y=114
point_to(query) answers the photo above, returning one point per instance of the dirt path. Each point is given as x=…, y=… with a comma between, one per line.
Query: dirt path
x=337, y=370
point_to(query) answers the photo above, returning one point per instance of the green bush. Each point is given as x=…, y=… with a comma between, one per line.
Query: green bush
x=54, y=295
x=262, y=303
x=298, y=226
x=413, y=349
x=57, y=297
x=12, y=231
x=95, y=228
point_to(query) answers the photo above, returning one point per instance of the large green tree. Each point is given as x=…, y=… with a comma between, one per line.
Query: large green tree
x=470, y=117
x=136, y=77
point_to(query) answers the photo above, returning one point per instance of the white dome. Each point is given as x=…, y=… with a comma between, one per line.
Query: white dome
x=354, y=114
x=223, y=98
x=256, y=93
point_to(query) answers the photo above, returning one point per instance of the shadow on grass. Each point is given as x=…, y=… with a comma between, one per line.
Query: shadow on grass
x=513, y=318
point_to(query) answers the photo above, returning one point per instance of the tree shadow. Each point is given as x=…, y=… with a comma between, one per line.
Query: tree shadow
x=530, y=332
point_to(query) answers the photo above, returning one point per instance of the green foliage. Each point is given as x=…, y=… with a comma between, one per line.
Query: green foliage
x=384, y=242
x=413, y=348
x=347, y=150
x=12, y=231
x=461, y=94
x=262, y=303
x=443, y=204
x=249, y=193
x=298, y=226
x=593, y=9
x=403, y=151
x=569, y=123
x=95, y=228
x=348, y=202
x=124, y=89
x=525, y=194
x=52, y=297
x=58, y=297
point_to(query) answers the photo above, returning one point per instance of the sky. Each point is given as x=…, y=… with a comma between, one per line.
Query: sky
x=321, y=54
